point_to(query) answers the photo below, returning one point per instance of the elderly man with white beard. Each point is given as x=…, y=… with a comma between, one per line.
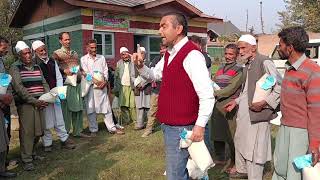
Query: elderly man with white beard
x=253, y=133
x=53, y=113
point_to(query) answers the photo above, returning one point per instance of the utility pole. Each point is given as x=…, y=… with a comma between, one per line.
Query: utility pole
x=247, y=20
x=261, y=18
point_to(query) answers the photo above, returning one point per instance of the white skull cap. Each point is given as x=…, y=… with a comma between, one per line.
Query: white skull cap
x=123, y=49
x=36, y=44
x=21, y=46
x=248, y=39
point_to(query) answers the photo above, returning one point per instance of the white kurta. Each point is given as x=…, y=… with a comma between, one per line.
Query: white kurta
x=97, y=100
x=253, y=141
x=54, y=116
x=53, y=112
x=143, y=100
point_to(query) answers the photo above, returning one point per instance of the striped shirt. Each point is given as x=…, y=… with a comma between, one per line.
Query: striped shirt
x=32, y=80
x=300, y=98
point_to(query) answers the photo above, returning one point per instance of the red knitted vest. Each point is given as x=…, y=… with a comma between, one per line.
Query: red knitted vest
x=178, y=103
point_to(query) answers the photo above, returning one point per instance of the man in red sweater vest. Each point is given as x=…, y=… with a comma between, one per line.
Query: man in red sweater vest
x=186, y=96
x=300, y=105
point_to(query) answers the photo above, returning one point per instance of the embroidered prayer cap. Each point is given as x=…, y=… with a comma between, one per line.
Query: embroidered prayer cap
x=248, y=39
x=21, y=46
x=36, y=44
x=123, y=49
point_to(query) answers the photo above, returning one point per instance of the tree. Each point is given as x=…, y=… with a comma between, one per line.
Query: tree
x=7, y=11
x=8, y=8
x=304, y=13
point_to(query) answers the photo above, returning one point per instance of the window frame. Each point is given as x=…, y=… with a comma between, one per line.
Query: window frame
x=103, y=35
x=149, y=49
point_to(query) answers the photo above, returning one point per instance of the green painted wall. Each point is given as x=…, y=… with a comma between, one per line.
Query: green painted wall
x=57, y=25
x=76, y=42
x=216, y=53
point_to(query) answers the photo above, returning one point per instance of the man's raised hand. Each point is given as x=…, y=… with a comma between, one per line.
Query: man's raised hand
x=136, y=58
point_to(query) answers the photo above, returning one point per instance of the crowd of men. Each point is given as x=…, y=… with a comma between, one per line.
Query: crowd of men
x=175, y=89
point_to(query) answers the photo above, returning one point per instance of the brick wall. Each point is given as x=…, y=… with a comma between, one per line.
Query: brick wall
x=86, y=36
x=122, y=39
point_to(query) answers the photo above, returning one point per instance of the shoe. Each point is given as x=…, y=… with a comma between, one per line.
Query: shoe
x=48, y=149
x=93, y=134
x=28, y=167
x=117, y=131
x=238, y=175
x=12, y=162
x=138, y=128
x=118, y=126
x=82, y=135
x=230, y=168
x=68, y=144
x=38, y=158
x=218, y=162
x=8, y=174
x=146, y=133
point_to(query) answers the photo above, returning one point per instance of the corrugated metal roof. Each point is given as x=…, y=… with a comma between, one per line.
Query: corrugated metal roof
x=224, y=29
x=128, y=3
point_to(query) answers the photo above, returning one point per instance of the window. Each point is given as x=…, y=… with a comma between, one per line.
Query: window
x=105, y=44
x=154, y=43
x=312, y=51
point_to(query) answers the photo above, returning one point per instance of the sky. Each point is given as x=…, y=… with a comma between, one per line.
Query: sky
x=235, y=11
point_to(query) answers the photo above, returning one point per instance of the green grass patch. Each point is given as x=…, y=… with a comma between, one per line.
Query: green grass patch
x=114, y=157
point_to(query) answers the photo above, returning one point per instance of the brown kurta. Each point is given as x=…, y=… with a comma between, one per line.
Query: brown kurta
x=31, y=119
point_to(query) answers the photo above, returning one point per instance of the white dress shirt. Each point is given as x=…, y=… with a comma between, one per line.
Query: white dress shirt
x=90, y=65
x=125, y=79
x=195, y=66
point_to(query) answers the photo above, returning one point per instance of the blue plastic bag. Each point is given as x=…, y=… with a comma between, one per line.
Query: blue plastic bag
x=303, y=161
x=74, y=69
x=183, y=134
x=57, y=102
x=205, y=177
x=4, y=80
x=268, y=83
x=62, y=96
x=89, y=77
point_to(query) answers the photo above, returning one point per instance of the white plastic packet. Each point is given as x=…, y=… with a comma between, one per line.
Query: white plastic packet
x=48, y=97
x=311, y=173
x=263, y=87
x=61, y=91
x=304, y=163
x=215, y=86
x=198, y=152
x=86, y=82
x=277, y=120
x=97, y=76
x=71, y=80
x=139, y=81
x=195, y=172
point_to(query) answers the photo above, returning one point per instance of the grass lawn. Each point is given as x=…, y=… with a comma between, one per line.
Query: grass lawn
x=114, y=157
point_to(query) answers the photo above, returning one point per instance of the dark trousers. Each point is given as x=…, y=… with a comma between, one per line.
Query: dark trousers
x=220, y=150
x=7, y=116
x=3, y=156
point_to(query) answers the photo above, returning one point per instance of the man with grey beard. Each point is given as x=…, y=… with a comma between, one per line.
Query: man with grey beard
x=53, y=113
x=253, y=133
